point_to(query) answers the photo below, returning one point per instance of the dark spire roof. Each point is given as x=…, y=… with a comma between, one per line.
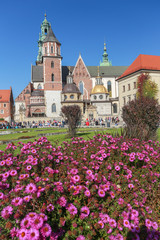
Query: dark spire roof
x=51, y=37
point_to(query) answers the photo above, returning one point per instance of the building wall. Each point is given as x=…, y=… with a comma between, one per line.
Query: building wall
x=125, y=95
x=5, y=110
x=53, y=97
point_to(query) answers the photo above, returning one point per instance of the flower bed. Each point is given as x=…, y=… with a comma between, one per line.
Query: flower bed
x=103, y=188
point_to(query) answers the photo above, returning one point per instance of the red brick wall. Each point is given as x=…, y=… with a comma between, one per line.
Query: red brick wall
x=48, y=70
x=81, y=74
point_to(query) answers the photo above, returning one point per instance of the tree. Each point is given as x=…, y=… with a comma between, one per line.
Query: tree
x=146, y=87
x=73, y=115
x=142, y=115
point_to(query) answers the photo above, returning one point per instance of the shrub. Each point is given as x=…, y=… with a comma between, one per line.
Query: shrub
x=141, y=117
x=73, y=116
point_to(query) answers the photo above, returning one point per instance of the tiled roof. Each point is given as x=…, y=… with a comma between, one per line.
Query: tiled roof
x=143, y=62
x=51, y=37
x=37, y=73
x=5, y=95
x=106, y=71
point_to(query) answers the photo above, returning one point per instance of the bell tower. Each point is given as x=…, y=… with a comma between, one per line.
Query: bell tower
x=52, y=71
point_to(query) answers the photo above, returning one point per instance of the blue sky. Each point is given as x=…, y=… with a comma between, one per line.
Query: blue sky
x=129, y=28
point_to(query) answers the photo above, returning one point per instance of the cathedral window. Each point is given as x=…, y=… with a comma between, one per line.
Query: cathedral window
x=51, y=49
x=53, y=107
x=52, y=77
x=109, y=86
x=39, y=86
x=72, y=96
x=115, y=108
x=52, y=64
x=81, y=87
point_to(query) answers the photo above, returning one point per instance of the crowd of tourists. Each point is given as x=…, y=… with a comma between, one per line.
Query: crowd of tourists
x=32, y=124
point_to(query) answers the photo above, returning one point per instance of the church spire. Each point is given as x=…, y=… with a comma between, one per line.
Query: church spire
x=105, y=61
x=44, y=30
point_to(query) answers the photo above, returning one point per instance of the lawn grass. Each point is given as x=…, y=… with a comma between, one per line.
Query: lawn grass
x=26, y=135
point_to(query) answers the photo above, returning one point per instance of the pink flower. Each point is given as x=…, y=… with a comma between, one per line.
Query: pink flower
x=25, y=223
x=23, y=234
x=148, y=223
x=13, y=172
x=31, y=188
x=101, y=224
x=120, y=201
x=1, y=195
x=17, y=201
x=6, y=212
x=33, y=234
x=101, y=193
x=105, y=218
x=27, y=198
x=80, y=237
x=72, y=209
x=85, y=211
x=87, y=193
x=126, y=223
x=155, y=225
x=112, y=194
x=46, y=230
x=117, y=168
x=37, y=222
x=112, y=223
x=50, y=208
x=130, y=185
x=62, y=201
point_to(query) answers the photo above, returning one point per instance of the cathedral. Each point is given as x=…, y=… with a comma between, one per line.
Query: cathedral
x=52, y=85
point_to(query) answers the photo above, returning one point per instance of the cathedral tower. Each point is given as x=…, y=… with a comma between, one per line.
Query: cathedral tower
x=52, y=73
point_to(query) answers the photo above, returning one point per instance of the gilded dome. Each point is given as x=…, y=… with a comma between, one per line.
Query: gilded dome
x=99, y=89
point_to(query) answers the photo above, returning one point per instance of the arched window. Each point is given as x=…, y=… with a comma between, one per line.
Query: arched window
x=39, y=86
x=109, y=86
x=52, y=64
x=53, y=107
x=52, y=77
x=115, y=108
x=51, y=49
x=81, y=87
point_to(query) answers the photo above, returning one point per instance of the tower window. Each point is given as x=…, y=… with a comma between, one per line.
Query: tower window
x=45, y=50
x=52, y=64
x=51, y=49
x=53, y=107
x=45, y=30
x=109, y=86
x=52, y=77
